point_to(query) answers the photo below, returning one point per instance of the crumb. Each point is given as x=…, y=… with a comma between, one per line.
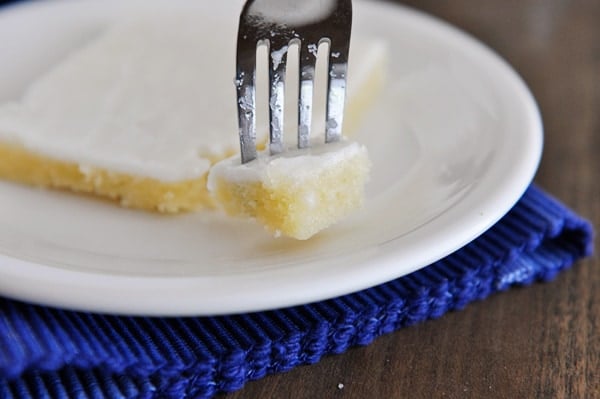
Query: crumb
x=340, y=386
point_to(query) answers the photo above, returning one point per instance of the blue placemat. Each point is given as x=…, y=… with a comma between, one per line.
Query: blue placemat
x=55, y=353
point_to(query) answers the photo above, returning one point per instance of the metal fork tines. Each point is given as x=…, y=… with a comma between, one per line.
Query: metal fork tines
x=279, y=24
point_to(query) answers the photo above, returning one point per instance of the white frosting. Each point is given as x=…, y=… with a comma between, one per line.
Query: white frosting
x=152, y=97
x=293, y=164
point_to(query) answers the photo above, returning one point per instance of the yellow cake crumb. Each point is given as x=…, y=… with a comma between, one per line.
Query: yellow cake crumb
x=297, y=193
x=20, y=165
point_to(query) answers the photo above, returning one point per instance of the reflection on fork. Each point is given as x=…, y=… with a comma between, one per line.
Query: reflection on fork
x=279, y=24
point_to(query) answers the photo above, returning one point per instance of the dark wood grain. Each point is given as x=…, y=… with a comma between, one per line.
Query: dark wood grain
x=537, y=342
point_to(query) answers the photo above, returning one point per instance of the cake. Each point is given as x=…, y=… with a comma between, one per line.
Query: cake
x=296, y=193
x=142, y=112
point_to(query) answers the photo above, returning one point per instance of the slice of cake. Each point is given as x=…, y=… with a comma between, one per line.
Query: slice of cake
x=141, y=113
x=296, y=193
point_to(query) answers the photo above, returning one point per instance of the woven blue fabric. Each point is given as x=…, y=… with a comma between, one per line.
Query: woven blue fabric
x=52, y=353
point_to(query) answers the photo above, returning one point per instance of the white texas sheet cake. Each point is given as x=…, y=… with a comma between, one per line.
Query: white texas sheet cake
x=141, y=113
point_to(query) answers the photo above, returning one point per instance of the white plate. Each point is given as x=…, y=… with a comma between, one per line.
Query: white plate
x=454, y=141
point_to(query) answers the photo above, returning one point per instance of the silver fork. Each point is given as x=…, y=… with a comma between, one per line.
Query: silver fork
x=278, y=24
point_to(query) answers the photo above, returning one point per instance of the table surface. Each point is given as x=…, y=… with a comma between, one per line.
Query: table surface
x=534, y=342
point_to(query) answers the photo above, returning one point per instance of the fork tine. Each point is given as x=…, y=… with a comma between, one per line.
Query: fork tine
x=278, y=49
x=336, y=89
x=308, y=59
x=246, y=104
x=245, y=83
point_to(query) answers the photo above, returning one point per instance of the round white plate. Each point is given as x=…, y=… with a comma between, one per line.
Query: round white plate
x=455, y=140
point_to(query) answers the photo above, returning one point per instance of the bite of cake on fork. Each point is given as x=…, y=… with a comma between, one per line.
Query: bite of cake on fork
x=301, y=189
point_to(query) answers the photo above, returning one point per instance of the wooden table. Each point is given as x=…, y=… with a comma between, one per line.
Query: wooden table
x=537, y=342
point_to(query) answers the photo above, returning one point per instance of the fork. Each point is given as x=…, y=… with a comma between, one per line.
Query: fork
x=279, y=24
